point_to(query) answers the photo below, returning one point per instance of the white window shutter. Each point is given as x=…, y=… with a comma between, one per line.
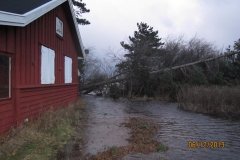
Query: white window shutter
x=44, y=61
x=67, y=69
x=47, y=66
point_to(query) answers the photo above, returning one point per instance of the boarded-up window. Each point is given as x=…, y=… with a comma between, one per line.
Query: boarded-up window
x=47, y=65
x=68, y=69
x=59, y=27
x=5, y=76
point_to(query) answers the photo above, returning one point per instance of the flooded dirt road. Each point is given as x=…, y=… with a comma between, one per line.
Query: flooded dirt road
x=178, y=127
x=104, y=129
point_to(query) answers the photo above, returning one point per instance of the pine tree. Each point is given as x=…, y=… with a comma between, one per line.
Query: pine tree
x=142, y=50
x=237, y=49
x=80, y=8
x=144, y=45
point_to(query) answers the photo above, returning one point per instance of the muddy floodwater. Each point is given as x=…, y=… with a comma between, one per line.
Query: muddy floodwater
x=104, y=129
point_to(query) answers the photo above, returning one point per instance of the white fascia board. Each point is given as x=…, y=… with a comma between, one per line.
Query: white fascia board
x=76, y=28
x=38, y=12
x=12, y=19
x=21, y=20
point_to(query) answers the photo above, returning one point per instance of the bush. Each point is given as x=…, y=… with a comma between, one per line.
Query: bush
x=114, y=91
x=223, y=101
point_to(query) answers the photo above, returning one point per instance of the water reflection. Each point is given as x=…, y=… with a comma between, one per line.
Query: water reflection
x=177, y=128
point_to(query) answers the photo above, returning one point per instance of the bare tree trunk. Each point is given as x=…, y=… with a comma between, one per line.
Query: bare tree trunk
x=192, y=63
x=130, y=91
x=113, y=80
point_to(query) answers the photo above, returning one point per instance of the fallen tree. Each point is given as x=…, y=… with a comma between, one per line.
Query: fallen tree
x=193, y=63
x=90, y=87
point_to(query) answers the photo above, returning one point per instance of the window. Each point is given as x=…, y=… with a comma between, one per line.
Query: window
x=5, y=73
x=59, y=27
x=67, y=69
x=47, y=65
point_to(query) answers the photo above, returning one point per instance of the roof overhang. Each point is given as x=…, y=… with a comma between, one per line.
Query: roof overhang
x=21, y=20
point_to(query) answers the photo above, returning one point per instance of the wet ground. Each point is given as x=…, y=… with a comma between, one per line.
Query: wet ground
x=104, y=129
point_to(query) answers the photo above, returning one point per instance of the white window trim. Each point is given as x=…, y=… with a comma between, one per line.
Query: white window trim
x=10, y=77
x=59, y=27
x=9, y=80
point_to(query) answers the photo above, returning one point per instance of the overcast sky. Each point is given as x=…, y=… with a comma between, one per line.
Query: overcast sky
x=112, y=21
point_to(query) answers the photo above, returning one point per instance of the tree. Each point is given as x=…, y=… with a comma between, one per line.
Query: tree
x=143, y=50
x=80, y=8
x=231, y=66
x=237, y=49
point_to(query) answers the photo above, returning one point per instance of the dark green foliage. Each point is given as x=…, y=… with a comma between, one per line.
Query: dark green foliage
x=146, y=53
x=114, y=91
x=80, y=9
x=196, y=76
x=230, y=67
x=141, y=49
x=165, y=85
x=237, y=47
x=142, y=46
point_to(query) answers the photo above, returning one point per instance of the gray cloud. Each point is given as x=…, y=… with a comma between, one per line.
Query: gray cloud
x=216, y=21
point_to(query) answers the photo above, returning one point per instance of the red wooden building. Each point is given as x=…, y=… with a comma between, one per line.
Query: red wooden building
x=40, y=45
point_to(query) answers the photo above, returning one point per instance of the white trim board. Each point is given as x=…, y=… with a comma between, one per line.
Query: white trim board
x=21, y=20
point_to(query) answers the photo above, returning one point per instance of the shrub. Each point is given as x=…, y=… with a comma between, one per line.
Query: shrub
x=218, y=100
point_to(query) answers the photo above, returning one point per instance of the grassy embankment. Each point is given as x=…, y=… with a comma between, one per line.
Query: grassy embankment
x=41, y=138
x=221, y=101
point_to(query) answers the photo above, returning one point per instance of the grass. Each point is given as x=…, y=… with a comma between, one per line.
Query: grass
x=141, y=141
x=216, y=100
x=114, y=151
x=162, y=148
x=42, y=138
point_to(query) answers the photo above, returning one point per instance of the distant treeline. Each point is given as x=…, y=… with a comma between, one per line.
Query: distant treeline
x=147, y=52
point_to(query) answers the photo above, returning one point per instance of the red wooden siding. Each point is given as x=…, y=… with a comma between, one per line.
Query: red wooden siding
x=23, y=44
x=41, y=98
x=7, y=106
x=7, y=115
x=42, y=32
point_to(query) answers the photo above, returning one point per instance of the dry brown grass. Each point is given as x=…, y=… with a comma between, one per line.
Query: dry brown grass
x=217, y=100
x=141, y=141
x=41, y=138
